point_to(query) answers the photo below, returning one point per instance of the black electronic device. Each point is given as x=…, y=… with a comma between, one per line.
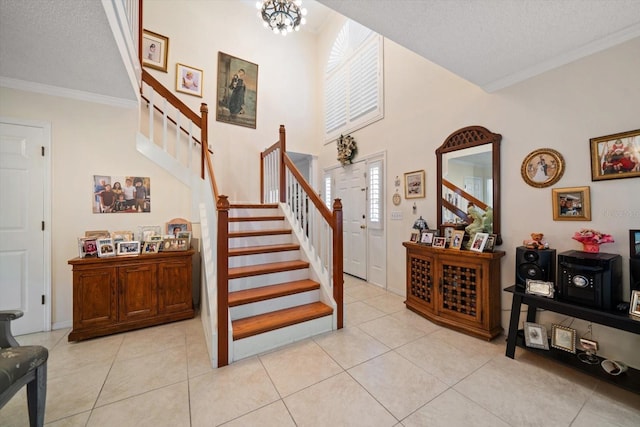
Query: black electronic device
x=535, y=264
x=634, y=274
x=591, y=279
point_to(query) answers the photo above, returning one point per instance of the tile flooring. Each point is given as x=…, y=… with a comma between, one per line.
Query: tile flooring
x=387, y=367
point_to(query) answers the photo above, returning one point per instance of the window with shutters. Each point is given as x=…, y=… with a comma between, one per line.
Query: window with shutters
x=375, y=195
x=327, y=191
x=353, y=81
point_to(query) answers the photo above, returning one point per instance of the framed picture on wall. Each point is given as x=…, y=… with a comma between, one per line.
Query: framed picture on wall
x=414, y=185
x=615, y=156
x=542, y=168
x=237, y=91
x=571, y=204
x=189, y=80
x=155, y=50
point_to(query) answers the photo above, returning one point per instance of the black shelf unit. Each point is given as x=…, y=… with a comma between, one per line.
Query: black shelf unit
x=629, y=380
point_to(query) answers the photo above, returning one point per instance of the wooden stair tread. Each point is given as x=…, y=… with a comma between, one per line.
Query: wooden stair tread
x=256, y=218
x=264, y=249
x=274, y=267
x=254, y=325
x=253, y=233
x=253, y=205
x=273, y=291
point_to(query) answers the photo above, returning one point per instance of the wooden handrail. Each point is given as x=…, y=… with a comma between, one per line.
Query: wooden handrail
x=173, y=100
x=315, y=199
x=451, y=186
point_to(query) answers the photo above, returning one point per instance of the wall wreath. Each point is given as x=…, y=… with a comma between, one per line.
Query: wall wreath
x=347, y=149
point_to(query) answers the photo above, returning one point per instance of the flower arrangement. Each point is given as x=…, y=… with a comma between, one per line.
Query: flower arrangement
x=592, y=239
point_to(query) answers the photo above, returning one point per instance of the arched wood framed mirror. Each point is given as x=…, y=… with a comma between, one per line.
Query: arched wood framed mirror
x=469, y=172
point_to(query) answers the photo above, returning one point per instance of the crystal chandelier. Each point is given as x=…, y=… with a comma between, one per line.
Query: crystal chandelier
x=282, y=16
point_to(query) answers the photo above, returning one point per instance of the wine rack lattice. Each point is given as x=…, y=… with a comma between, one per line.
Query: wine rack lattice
x=459, y=289
x=421, y=279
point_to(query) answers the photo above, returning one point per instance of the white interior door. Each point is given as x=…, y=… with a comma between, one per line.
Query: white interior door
x=352, y=189
x=24, y=281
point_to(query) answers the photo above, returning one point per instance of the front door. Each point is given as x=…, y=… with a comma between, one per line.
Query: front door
x=24, y=282
x=352, y=189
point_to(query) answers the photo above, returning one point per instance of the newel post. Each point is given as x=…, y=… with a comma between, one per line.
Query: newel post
x=283, y=150
x=204, y=110
x=222, y=207
x=338, y=278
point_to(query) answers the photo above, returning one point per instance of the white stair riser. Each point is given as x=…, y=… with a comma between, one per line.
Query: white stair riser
x=256, y=225
x=243, y=283
x=246, y=212
x=243, y=242
x=245, y=260
x=261, y=307
x=269, y=340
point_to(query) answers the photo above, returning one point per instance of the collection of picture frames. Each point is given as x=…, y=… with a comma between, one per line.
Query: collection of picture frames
x=562, y=337
x=482, y=242
x=151, y=240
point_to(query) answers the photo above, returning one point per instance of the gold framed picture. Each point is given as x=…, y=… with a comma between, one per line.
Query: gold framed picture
x=414, y=185
x=542, y=168
x=456, y=239
x=571, y=204
x=189, y=80
x=615, y=156
x=155, y=50
x=237, y=91
x=563, y=338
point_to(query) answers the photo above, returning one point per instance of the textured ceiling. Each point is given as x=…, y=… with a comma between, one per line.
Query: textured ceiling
x=496, y=43
x=68, y=44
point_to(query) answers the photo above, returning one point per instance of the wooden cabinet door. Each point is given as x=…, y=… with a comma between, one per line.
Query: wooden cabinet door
x=421, y=281
x=460, y=289
x=174, y=281
x=138, y=291
x=95, y=301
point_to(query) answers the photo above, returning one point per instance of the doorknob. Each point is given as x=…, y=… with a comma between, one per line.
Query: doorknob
x=363, y=226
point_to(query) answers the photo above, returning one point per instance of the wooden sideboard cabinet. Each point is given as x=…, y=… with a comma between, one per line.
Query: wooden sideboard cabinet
x=455, y=288
x=122, y=293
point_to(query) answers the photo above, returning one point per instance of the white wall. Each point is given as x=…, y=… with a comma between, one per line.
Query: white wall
x=560, y=109
x=90, y=139
x=197, y=31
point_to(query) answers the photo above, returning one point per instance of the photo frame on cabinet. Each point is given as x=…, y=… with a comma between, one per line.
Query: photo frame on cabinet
x=427, y=237
x=491, y=243
x=634, y=306
x=415, y=236
x=176, y=226
x=615, y=156
x=535, y=336
x=542, y=168
x=479, y=242
x=456, y=239
x=563, y=338
x=414, y=185
x=146, y=232
x=128, y=248
x=87, y=247
x=155, y=48
x=151, y=247
x=571, y=204
x=105, y=248
x=189, y=80
x=439, y=242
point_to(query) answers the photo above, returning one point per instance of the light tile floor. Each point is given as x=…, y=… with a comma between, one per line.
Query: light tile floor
x=387, y=367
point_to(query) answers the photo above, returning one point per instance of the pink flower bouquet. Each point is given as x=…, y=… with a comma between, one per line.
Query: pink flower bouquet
x=591, y=239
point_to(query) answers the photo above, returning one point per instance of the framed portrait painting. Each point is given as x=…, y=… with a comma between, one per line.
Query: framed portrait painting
x=615, y=156
x=571, y=204
x=189, y=80
x=542, y=168
x=414, y=185
x=155, y=50
x=237, y=94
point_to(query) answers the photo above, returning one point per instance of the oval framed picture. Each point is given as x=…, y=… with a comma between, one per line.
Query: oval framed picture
x=542, y=167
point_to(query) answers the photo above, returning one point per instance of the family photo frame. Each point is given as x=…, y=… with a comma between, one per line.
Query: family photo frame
x=479, y=242
x=237, y=91
x=121, y=194
x=615, y=156
x=414, y=185
x=571, y=204
x=189, y=80
x=542, y=168
x=155, y=50
x=457, y=238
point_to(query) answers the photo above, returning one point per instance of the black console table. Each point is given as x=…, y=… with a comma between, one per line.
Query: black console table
x=629, y=380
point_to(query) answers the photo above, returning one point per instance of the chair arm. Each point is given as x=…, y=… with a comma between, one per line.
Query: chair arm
x=10, y=314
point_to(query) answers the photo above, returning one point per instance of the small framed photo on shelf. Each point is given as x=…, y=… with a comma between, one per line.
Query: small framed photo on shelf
x=479, y=242
x=87, y=247
x=177, y=225
x=151, y=247
x=540, y=287
x=415, y=236
x=146, y=232
x=535, y=336
x=491, y=243
x=634, y=306
x=427, y=237
x=105, y=248
x=97, y=234
x=456, y=239
x=439, y=242
x=174, y=245
x=563, y=338
x=129, y=248
x=121, y=236
x=634, y=244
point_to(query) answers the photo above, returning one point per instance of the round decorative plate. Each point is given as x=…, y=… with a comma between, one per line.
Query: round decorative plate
x=396, y=199
x=542, y=168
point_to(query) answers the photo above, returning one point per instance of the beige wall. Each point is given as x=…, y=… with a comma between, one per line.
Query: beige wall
x=89, y=139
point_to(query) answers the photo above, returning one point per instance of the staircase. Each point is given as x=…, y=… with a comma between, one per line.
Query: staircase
x=273, y=297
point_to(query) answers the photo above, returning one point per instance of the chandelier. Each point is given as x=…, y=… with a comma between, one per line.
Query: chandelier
x=282, y=16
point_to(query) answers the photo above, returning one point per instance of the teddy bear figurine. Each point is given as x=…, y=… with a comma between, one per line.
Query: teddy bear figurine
x=536, y=242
